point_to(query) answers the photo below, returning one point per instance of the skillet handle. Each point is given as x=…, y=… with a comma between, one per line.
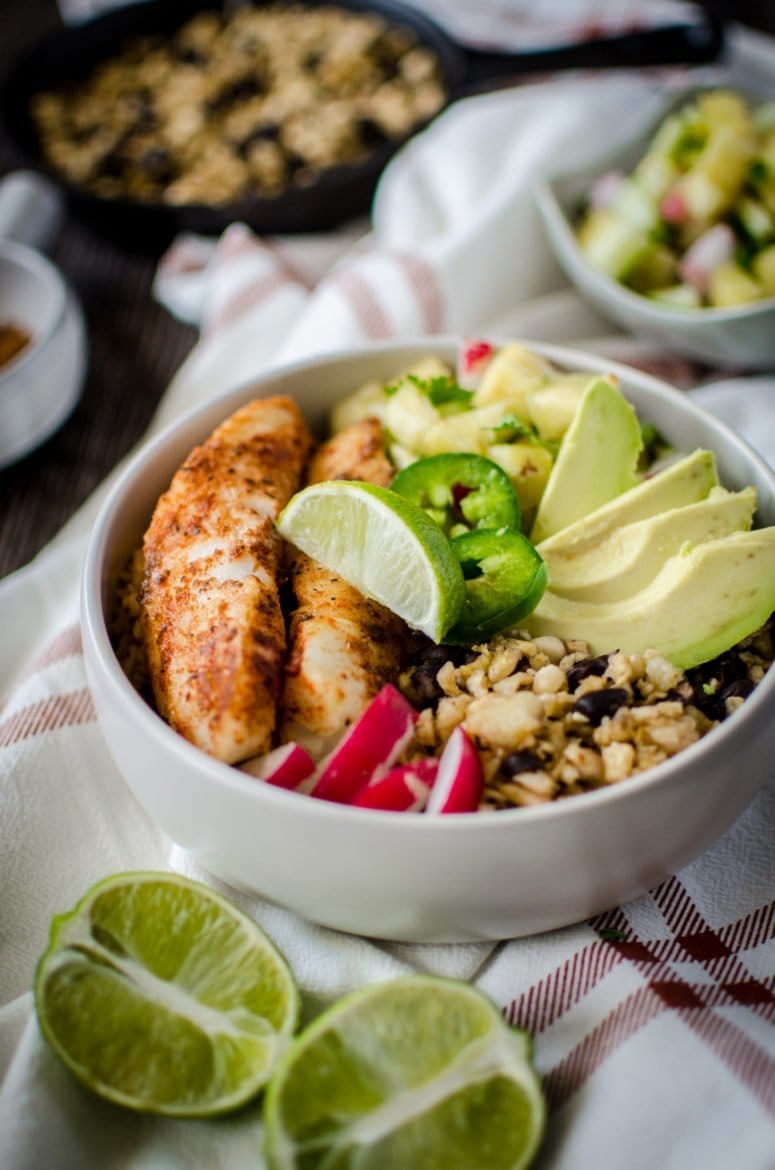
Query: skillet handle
x=679, y=44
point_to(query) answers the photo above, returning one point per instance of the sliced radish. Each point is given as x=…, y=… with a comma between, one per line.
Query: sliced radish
x=604, y=190
x=473, y=358
x=459, y=780
x=709, y=251
x=286, y=766
x=673, y=208
x=369, y=749
x=403, y=789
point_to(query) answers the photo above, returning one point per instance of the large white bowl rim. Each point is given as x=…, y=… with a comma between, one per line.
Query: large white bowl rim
x=149, y=723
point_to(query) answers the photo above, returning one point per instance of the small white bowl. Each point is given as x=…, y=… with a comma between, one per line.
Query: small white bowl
x=40, y=387
x=741, y=337
x=463, y=877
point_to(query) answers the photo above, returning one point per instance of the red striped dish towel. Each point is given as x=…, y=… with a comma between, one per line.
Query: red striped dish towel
x=653, y=1023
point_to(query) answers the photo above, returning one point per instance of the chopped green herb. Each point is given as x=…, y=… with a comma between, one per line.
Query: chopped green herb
x=511, y=427
x=610, y=934
x=710, y=688
x=443, y=390
x=440, y=391
x=689, y=146
x=758, y=174
x=654, y=446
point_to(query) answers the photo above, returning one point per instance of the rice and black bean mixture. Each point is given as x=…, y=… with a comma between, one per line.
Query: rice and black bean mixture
x=246, y=101
x=549, y=720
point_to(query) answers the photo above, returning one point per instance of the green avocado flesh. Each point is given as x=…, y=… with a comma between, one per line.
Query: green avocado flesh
x=596, y=462
x=701, y=602
x=686, y=481
x=629, y=558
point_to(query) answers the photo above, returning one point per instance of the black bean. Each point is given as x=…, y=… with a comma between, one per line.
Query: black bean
x=741, y=688
x=424, y=687
x=585, y=668
x=438, y=655
x=725, y=669
x=595, y=705
x=427, y=664
x=156, y=164
x=520, y=762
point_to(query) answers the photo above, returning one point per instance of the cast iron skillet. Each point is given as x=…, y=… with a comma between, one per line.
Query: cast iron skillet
x=341, y=192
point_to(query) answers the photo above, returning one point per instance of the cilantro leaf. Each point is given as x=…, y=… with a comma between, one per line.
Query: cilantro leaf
x=511, y=427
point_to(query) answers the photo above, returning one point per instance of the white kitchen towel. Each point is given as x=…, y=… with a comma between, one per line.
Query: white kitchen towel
x=653, y=1023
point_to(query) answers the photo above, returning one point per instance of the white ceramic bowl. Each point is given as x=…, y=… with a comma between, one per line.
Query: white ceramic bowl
x=465, y=877
x=40, y=387
x=741, y=337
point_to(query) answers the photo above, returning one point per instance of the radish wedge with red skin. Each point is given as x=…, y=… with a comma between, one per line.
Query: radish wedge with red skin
x=459, y=780
x=709, y=251
x=473, y=359
x=404, y=789
x=369, y=749
x=673, y=208
x=285, y=767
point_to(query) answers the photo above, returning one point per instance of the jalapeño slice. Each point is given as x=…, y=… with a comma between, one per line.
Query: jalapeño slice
x=505, y=580
x=460, y=491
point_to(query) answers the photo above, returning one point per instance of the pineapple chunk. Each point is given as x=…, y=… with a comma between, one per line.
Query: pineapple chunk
x=656, y=174
x=656, y=268
x=551, y=408
x=409, y=414
x=468, y=431
x=722, y=107
x=678, y=296
x=764, y=269
x=528, y=467
x=370, y=401
x=610, y=244
x=730, y=285
x=511, y=374
x=400, y=456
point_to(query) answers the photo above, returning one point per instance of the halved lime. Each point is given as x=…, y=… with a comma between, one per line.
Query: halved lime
x=160, y=995
x=382, y=544
x=419, y=1073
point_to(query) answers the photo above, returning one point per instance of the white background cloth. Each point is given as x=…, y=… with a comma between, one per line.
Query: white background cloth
x=657, y=1050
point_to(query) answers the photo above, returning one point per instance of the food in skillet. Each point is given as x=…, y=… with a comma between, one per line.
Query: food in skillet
x=693, y=225
x=248, y=101
x=642, y=596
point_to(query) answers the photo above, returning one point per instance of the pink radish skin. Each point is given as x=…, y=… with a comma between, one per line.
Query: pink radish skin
x=459, y=781
x=403, y=789
x=369, y=749
x=285, y=767
x=604, y=190
x=473, y=359
x=673, y=208
x=710, y=250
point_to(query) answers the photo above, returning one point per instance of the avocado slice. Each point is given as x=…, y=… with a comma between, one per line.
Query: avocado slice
x=684, y=482
x=629, y=558
x=702, y=602
x=596, y=461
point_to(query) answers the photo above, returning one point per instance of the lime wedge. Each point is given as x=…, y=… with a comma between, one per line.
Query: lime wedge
x=160, y=995
x=387, y=547
x=418, y=1072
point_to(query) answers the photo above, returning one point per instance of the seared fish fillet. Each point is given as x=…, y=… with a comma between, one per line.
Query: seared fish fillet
x=214, y=631
x=343, y=646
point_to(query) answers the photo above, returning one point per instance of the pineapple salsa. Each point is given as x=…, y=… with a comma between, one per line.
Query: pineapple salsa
x=693, y=225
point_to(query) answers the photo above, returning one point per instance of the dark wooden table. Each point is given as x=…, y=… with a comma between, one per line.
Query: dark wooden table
x=135, y=346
